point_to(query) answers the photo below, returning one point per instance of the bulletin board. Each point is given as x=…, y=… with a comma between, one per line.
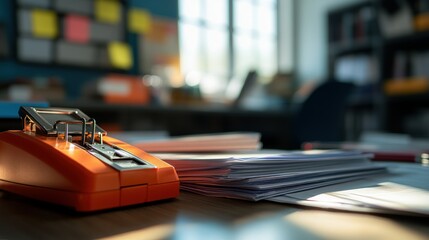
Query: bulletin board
x=159, y=50
x=82, y=33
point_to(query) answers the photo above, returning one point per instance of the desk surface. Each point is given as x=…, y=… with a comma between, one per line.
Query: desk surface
x=197, y=217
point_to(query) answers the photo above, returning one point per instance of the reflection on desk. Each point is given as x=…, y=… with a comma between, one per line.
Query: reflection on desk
x=198, y=217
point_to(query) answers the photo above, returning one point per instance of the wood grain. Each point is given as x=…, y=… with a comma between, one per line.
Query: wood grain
x=193, y=216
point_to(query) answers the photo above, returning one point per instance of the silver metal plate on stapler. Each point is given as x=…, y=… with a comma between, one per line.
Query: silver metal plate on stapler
x=117, y=157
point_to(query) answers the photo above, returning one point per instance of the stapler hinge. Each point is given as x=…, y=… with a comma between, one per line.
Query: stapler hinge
x=110, y=154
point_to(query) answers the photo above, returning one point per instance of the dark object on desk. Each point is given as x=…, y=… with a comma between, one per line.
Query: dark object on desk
x=321, y=116
x=248, y=84
x=62, y=156
x=383, y=146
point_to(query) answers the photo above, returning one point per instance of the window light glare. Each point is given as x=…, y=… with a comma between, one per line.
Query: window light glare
x=193, y=79
x=211, y=85
x=152, y=80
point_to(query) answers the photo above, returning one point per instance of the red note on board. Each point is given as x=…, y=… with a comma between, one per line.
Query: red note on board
x=76, y=28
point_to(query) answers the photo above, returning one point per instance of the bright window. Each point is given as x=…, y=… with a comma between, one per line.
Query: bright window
x=221, y=40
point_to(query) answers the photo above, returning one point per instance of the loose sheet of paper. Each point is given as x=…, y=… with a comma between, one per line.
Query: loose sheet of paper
x=404, y=190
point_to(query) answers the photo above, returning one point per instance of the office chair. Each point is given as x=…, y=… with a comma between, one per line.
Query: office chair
x=321, y=116
x=249, y=83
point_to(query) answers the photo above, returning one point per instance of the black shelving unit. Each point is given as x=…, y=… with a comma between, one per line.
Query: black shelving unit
x=351, y=31
x=405, y=58
x=353, y=51
x=399, y=56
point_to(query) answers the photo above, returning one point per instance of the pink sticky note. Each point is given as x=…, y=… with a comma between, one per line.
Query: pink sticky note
x=76, y=28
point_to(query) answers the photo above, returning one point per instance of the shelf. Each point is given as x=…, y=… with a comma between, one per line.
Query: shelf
x=194, y=109
x=408, y=41
x=339, y=49
x=408, y=54
x=361, y=103
x=421, y=98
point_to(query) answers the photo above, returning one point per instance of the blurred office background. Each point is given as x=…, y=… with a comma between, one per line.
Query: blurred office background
x=195, y=66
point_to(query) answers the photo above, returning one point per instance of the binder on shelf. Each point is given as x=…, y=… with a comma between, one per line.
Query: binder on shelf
x=412, y=85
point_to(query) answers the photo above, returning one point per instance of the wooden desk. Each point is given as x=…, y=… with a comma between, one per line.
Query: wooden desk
x=193, y=216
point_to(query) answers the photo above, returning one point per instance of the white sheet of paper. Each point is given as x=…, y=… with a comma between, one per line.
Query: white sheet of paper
x=405, y=190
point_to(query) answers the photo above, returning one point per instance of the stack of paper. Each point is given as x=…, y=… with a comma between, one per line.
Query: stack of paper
x=218, y=142
x=264, y=174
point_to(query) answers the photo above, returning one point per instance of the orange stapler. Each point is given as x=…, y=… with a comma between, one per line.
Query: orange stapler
x=62, y=156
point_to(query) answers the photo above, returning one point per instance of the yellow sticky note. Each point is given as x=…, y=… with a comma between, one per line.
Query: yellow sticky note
x=139, y=21
x=108, y=11
x=120, y=55
x=44, y=23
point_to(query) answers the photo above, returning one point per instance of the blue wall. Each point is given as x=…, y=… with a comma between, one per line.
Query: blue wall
x=73, y=78
x=165, y=8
